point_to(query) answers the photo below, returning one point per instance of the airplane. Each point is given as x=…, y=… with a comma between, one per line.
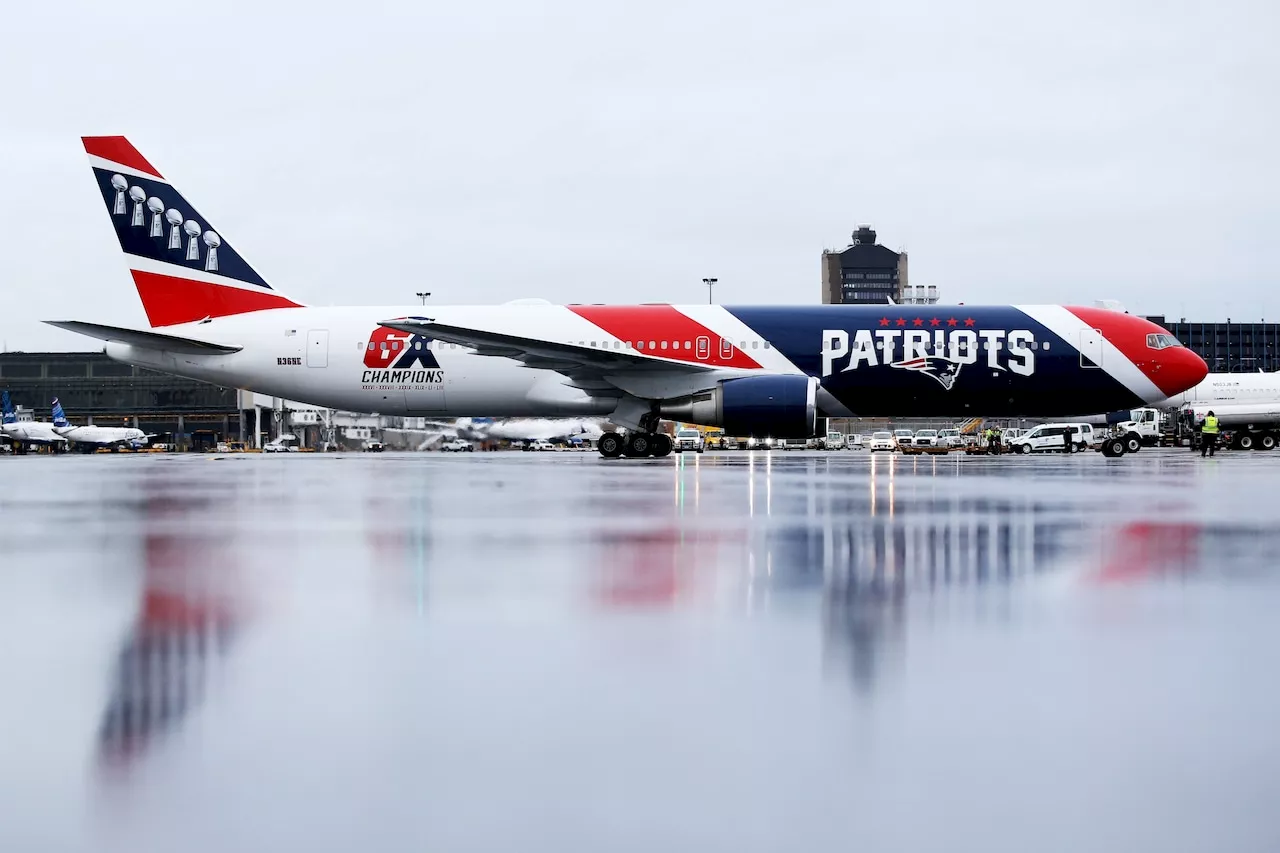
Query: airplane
x=754, y=371
x=91, y=436
x=23, y=433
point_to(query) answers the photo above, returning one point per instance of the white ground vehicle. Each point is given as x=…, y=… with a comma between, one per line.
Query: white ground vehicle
x=949, y=438
x=903, y=436
x=457, y=445
x=1049, y=437
x=925, y=438
x=855, y=441
x=540, y=444
x=882, y=441
x=834, y=441
x=286, y=443
x=688, y=439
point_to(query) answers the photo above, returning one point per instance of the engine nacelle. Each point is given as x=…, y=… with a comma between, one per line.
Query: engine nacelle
x=763, y=406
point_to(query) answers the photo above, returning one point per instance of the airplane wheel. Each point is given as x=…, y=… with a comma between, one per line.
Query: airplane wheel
x=1266, y=441
x=610, y=445
x=638, y=444
x=661, y=444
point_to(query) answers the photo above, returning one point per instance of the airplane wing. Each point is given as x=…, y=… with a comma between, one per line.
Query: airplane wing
x=596, y=370
x=148, y=340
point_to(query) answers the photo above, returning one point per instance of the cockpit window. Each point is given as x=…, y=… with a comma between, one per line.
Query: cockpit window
x=1162, y=341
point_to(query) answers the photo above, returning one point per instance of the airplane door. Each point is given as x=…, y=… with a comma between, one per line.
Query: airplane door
x=726, y=348
x=703, y=347
x=1090, y=348
x=318, y=348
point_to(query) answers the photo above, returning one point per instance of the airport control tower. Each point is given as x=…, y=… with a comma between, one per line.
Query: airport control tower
x=864, y=273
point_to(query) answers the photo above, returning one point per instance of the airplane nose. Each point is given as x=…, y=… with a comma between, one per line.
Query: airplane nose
x=1178, y=369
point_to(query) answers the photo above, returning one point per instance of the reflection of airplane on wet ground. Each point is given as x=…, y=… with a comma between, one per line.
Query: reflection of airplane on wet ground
x=180, y=634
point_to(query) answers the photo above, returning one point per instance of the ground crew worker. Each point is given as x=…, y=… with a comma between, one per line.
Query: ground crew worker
x=1209, y=434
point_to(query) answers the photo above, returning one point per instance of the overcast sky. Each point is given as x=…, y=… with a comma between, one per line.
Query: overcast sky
x=355, y=153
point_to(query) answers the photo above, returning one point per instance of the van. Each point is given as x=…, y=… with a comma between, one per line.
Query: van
x=1050, y=437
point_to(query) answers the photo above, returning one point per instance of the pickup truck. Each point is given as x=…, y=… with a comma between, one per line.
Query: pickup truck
x=688, y=439
x=457, y=445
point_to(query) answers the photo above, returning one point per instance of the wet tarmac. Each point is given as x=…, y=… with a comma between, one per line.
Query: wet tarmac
x=746, y=652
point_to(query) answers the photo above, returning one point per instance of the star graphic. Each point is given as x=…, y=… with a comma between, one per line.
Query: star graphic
x=968, y=321
x=952, y=321
x=901, y=322
x=917, y=322
x=935, y=322
x=884, y=321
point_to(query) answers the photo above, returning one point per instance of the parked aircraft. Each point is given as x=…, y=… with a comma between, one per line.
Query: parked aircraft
x=91, y=435
x=763, y=371
x=23, y=433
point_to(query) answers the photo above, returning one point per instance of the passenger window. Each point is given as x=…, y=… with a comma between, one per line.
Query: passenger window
x=384, y=346
x=688, y=345
x=755, y=344
x=371, y=347
x=639, y=344
x=742, y=344
x=417, y=345
x=766, y=344
x=664, y=344
x=360, y=345
x=395, y=345
x=1046, y=344
x=653, y=344
x=617, y=344
x=593, y=344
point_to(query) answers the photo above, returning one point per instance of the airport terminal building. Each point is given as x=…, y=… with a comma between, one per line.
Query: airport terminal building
x=95, y=389
x=1229, y=347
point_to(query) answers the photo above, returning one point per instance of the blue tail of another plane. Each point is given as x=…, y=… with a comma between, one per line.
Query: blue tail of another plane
x=59, y=416
x=9, y=416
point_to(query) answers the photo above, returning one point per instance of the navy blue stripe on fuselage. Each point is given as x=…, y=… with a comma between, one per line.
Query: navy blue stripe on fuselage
x=144, y=241
x=937, y=361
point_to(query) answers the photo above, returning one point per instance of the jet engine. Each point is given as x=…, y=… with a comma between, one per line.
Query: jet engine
x=774, y=406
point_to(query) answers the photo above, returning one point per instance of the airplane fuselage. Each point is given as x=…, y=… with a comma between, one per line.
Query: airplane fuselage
x=1023, y=361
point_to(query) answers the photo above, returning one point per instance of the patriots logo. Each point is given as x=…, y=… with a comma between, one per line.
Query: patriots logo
x=942, y=369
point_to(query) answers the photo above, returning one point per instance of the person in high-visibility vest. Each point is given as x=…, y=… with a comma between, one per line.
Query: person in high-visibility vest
x=1209, y=434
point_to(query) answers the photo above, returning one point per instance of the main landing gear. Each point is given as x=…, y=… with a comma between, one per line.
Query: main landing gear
x=634, y=445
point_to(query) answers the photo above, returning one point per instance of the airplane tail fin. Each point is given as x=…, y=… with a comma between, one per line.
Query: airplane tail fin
x=9, y=416
x=185, y=269
x=59, y=416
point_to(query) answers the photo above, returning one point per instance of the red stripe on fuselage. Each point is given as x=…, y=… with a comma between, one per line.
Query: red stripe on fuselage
x=1172, y=370
x=169, y=300
x=659, y=323
x=117, y=149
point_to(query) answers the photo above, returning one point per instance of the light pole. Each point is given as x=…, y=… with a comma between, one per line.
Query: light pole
x=423, y=296
x=709, y=282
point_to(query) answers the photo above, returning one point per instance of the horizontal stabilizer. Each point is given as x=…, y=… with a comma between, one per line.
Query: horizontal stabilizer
x=149, y=340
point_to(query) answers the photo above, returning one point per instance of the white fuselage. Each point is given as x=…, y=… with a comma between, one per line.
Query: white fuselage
x=34, y=432
x=1228, y=388
x=321, y=356
x=1246, y=392
x=91, y=434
